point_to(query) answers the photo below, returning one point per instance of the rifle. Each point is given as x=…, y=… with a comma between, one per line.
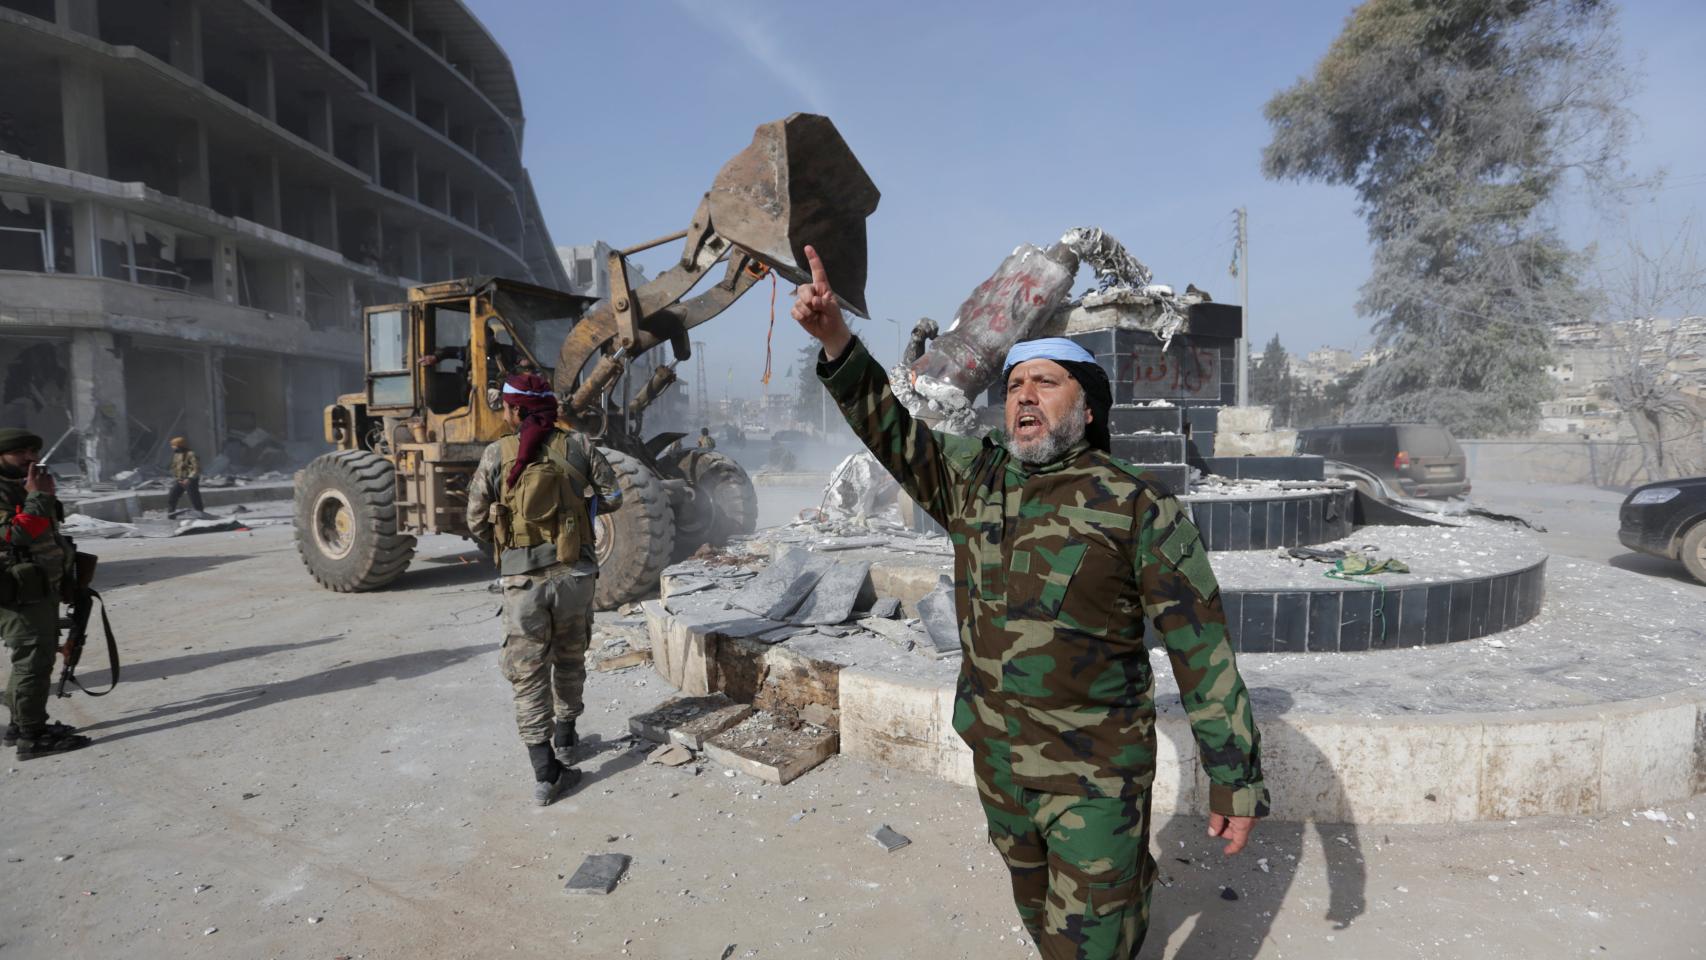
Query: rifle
x=81, y=597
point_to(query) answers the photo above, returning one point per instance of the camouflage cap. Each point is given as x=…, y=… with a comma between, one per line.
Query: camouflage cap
x=17, y=438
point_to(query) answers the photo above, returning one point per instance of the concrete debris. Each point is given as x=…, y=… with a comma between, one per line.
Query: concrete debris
x=766, y=747
x=599, y=873
x=936, y=609
x=658, y=723
x=780, y=588
x=1025, y=290
x=670, y=755
x=80, y=527
x=818, y=714
x=858, y=487
x=835, y=594
x=886, y=608
x=888, y=838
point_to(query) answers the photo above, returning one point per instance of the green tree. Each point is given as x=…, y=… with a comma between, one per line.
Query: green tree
x=1456, y=121
x=1271, y=382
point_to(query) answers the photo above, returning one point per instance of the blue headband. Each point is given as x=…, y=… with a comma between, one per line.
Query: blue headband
x=1047, y=348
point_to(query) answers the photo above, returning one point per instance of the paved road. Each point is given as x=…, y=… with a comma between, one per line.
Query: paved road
x=1580, y=521
x=316, y=776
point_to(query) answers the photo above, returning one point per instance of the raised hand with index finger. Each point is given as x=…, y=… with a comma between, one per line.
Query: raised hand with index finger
x=816, y=310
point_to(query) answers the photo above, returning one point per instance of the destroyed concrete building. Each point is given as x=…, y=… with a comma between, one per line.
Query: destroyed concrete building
x=198, y=196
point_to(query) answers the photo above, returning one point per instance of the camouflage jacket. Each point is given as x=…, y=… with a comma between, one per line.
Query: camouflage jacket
x=29, y=530
x=574, y=447
x=185, y=464
x=1056, y=568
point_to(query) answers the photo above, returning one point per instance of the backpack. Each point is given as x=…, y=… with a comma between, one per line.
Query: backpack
x=547, y=503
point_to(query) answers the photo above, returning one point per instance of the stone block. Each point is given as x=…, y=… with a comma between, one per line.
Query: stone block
x=1531, y=766
x=1273, y=443
x=1648, y=752
x=901, y=722
x=837, y=591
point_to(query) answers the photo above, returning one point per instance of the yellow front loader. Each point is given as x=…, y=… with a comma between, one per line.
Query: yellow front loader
x=407, y=445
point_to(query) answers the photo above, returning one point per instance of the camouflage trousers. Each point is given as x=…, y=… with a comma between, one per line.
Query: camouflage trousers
x=31, y=634
x=1080, y=866
x=547, y=627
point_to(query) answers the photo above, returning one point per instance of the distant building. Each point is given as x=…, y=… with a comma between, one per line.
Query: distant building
x=198, y=196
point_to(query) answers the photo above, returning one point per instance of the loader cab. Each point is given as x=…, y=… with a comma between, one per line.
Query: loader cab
x=438, y=362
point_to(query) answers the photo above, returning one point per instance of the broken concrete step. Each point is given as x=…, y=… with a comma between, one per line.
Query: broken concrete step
x=695, y=732
x=657, y=723
x=760, y=748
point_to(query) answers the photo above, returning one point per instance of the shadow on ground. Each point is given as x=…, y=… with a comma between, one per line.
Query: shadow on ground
x=167, y=667
x=239, y=700
x=1221, y=928
x=1651, y=566
x=142, y=570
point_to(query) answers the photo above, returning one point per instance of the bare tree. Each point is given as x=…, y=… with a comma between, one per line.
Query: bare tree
x=1652, y=326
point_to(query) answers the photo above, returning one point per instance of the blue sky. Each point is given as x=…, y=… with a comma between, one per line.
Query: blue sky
x=990, y=124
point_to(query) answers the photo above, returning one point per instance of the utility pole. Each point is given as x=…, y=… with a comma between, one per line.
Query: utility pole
x=1241, y=269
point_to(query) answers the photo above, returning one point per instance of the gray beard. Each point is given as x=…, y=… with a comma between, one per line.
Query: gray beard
x=1060, y=438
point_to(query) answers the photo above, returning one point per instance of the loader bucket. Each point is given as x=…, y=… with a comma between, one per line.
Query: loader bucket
x=797, y=184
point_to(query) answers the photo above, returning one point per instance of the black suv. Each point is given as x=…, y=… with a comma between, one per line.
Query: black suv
x=1664, y=519
x=1417, y=459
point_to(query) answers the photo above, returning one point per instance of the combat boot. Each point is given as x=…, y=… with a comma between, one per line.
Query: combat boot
x=40, y=743
x=52, y=726
x=551, y=777
x=564, y=740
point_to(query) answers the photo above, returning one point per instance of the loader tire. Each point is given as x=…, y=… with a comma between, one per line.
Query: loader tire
x=633, y=543
x=346, y=522
x=724, y=503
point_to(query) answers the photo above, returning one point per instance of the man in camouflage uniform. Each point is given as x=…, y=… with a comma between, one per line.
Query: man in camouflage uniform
x=547, y=609
x=1061, y=553
x=706, y=442
x=36, y=562
x=186, y=477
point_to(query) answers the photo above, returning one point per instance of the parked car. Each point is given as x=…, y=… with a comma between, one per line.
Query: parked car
x=1665, y=520
x=1415, y=459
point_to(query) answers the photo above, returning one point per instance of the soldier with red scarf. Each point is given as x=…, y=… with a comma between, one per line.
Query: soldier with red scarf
x=531, y=498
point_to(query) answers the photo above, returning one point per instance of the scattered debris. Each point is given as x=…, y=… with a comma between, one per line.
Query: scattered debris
x=764, y=747
x=599, y=873
x=670, y=755
x=888, y=838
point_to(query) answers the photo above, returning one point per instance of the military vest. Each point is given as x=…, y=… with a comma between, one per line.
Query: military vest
x=38, y=567
x=546, y=504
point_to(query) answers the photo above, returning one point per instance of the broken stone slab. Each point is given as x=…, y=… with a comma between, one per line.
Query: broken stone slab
x=850, y=543
x=657, y=723
x=782, y=586
x=784, y=632
x=886, y=608
x=599, y=873
x=836, y=594
x=761, y=748
x=817, y=713
x=693, y=733
x=897, y=632
x=936, y=609
x=888, y=838
x=682, y=586
x=670, y=755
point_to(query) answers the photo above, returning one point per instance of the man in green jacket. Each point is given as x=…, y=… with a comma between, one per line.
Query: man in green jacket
x=35, y=560
x=1061, y=553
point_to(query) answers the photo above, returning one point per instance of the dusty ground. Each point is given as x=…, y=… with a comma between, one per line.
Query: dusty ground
x=320, y=776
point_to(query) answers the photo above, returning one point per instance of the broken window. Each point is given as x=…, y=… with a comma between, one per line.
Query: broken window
x=112, y=239
x=157, y=250
x=23, y=233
